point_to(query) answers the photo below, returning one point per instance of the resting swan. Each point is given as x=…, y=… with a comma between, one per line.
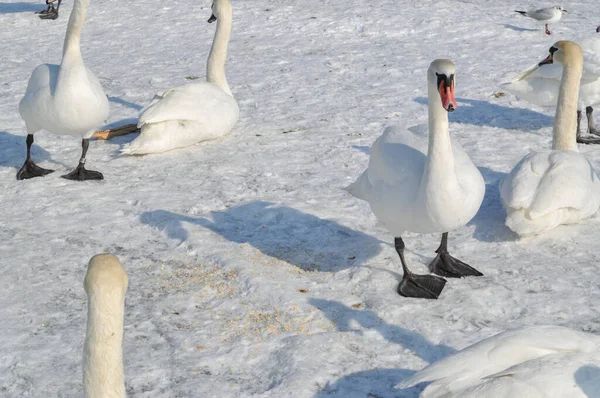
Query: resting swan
x=64, y=99
x=424, y=185
x=539, y=85
x=532, y=362
x=186, y=115
x=105, y=284
x=559, y=186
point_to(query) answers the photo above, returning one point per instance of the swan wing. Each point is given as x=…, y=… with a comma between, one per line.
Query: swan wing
x=198, y=101
x=467, y=368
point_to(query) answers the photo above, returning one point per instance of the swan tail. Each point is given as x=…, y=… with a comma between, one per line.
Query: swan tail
x=359, y=187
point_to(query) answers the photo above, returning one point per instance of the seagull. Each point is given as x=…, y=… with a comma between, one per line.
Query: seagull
x=546, y=15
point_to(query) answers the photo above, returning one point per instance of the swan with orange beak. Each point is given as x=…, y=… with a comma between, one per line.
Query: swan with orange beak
x=424, y=184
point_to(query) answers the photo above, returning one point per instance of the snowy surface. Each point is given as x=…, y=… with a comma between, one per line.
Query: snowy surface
x=252, y=273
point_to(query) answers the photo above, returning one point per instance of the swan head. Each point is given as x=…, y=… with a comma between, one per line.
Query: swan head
x=219, y=8
x=442, y=72
x=105, y=275
x=563, y=52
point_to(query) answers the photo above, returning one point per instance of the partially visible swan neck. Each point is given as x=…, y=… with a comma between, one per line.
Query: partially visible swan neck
x=565, y=120
x=71, y=47
x=440, y=160
x=215, y=68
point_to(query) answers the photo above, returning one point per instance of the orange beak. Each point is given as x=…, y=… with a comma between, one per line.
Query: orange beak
x=447, y=95
x=546, y=61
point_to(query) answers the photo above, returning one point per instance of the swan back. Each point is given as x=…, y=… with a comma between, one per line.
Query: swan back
x=105, y=284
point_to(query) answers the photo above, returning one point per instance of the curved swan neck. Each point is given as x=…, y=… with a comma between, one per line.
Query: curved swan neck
x=565, y=120
x=440, y=160
x=71, y=47
x=103, y=349
x=215, y=68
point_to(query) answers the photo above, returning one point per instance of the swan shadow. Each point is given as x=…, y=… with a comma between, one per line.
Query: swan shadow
x=125, y=103
x=372, y=383
x=483, y=113
x=14, y=151
x=489, y=220
x=303, y=240
x=518, y=28
x=376, y=381
x=588, y=380
x=11, y=8
x=362, y=148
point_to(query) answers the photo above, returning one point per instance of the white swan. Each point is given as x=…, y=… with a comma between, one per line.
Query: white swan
x=539, y=85
x=64, y=99
x=424, y=185
x=546, y=15
x=185, y=115
x=105, y=284
x=559, y=186
x=532, y=362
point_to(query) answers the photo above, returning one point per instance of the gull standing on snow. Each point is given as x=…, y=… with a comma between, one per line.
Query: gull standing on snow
x=545, y=15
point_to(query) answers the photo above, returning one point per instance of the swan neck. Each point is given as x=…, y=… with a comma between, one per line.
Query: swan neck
x=440, y=160
x=103, y=348
x=565, y=120
x=71, y=47
x=215, y=69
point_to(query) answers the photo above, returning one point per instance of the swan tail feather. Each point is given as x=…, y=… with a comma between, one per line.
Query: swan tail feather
x=359, y=187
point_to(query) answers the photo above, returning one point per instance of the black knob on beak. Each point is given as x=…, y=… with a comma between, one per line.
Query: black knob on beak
x=450, y=108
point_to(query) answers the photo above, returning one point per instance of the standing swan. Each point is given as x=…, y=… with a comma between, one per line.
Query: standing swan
x=558, y=186
x=185, y=115
x=64, y=99
x=425, y=186
x=105, y=284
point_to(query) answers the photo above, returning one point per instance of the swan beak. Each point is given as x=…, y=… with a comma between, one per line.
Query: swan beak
x=546, y=61
x=446, y=89
x=212, y=18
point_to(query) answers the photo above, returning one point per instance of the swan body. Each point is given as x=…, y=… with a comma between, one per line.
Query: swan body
x=185, y=115
x=532, y=362
x=540, y=85
x=65, y=99
x=558, y=186
x=105, y=284
x=424, y=184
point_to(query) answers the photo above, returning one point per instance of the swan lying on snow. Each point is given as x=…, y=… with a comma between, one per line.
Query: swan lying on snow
x=185, y=115
x=532, y=362
x=64, y=99
x=539, y=85
x=105, y=284
x=559, y=186
x=424, y=185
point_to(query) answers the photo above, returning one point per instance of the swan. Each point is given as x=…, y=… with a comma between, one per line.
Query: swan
x=185, y=115
x=546, y=15
x=539, y=85
x=424, y=185
x=64, y=99
x=558, y=186
x=533, y=362
x=105, y=285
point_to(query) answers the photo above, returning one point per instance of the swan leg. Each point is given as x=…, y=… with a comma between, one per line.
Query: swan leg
x=589, y=113
x=417, y=286
x=547, y=31
x=30, y=169
x=81, y=173
x=445, y=265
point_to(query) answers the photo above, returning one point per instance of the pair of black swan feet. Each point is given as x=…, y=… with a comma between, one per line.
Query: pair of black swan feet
x=50, y=12
x=32, y=170
x=431, y=286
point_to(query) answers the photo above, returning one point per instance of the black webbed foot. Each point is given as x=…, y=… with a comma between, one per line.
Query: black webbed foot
x=421, y=286
x=82, y=174
x=445, y=265
x=31, y=170
x=588, y=140
x=52, y=14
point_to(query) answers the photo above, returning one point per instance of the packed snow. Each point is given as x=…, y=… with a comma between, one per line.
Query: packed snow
x=252, y=273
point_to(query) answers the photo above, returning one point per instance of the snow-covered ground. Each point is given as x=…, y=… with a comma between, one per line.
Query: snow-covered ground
x=252, y=273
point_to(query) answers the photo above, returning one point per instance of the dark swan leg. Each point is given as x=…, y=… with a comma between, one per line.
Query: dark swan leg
x=417, y=286
x=445, y=265
x=589, y=113
x=81, y=173
x=30, y=169
x=50, y=12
